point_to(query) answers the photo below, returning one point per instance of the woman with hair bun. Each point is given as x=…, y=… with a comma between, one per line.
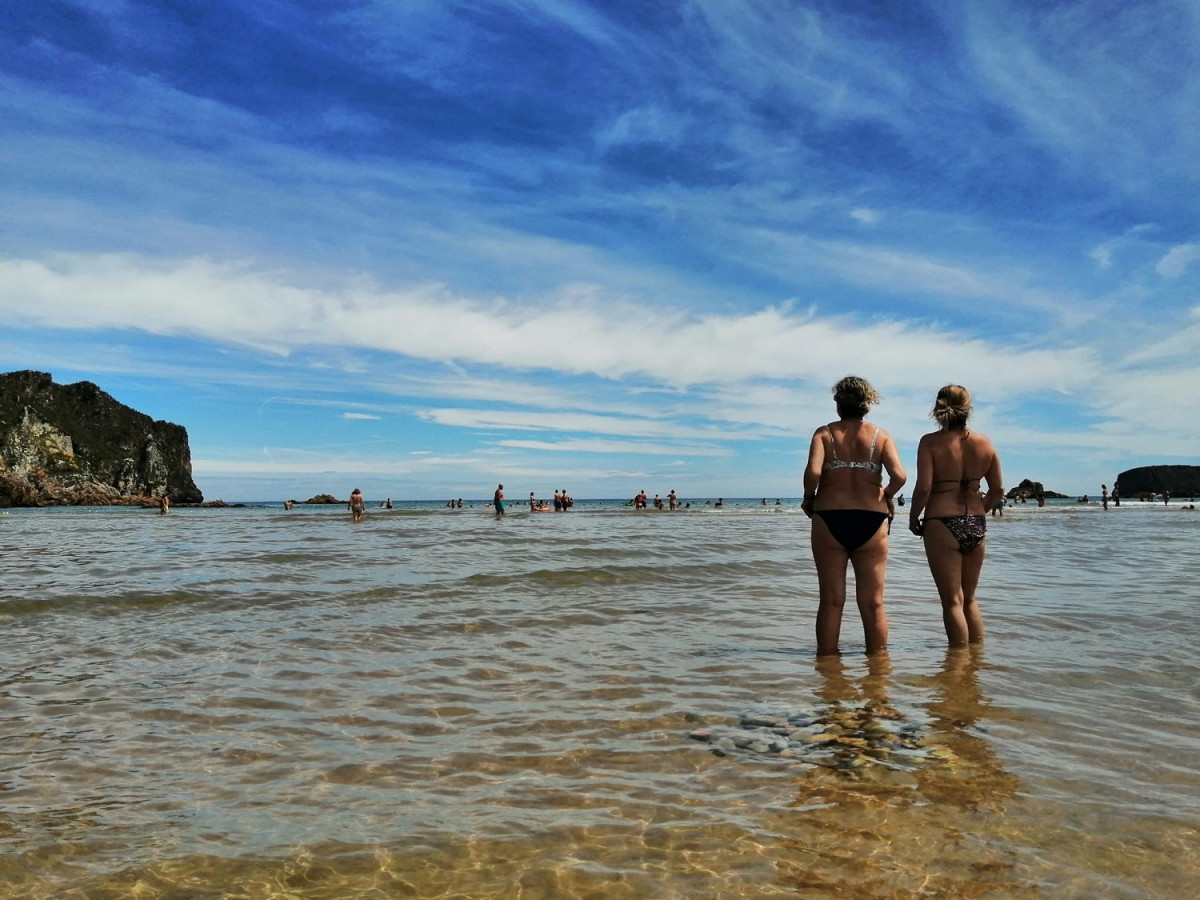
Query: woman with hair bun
x=951, y=462
x=851, y=512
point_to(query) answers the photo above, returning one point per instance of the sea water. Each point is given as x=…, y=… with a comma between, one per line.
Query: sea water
x=253, y=702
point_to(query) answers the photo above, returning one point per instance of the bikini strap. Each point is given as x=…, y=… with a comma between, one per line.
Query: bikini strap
x=874, y=438
x=832, y=443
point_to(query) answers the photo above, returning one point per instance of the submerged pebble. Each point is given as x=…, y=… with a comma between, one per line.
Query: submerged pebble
x=845, y=739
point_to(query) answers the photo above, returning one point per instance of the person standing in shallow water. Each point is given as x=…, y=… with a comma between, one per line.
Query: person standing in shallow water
x=951, y=463
x=357, y=506
x=498, y=500
x=851, y=512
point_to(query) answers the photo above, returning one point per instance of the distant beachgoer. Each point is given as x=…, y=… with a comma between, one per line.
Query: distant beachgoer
x=672, y=501
x=720, y=504
x=851, y=512
x=1104, y=495
x=658, y=503
x=1116, y=496
x=287, y=504
x=164, y=505
x=557, y=500
x=639, y=502
x=998, y=509
x=950, y=465
x=498, y=500
x=1166, y=497
x=356, y=504
x=568, y=500
x=533, y=504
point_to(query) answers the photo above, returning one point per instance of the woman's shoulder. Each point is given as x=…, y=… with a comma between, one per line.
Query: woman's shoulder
x=979, y=439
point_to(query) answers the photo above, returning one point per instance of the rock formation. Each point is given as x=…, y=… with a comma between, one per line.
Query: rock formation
x=1179, y=481
x=75, y=445
x=1031, y=490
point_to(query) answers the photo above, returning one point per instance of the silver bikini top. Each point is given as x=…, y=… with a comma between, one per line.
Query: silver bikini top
x=835, y=463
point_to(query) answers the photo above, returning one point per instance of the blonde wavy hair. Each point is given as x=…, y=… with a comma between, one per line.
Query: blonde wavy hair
x=854, y=397
x=952, y=407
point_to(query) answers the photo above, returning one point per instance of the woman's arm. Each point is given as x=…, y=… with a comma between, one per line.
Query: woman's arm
x=995, y=483
x=896, y=474
x=812, y=472
x=922, y=487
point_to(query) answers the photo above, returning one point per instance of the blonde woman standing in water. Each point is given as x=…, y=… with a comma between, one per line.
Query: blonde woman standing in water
x=852, y=512
x=951, y=462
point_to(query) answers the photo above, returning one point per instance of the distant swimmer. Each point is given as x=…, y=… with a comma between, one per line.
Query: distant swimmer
x=357, y=506
x=498, y=500
x=164, y=505
x=672, y=501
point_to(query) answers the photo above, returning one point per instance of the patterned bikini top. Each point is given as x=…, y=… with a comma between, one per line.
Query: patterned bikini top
x=835, y=463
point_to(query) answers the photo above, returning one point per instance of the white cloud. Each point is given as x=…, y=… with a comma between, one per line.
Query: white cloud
x=367, y=416
x=1103, y=253
x=1177, y=260
x=579, y=331
x=615, y=447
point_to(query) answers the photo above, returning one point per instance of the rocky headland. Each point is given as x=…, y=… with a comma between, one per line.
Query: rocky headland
x=1177, y=480
x=74, y=445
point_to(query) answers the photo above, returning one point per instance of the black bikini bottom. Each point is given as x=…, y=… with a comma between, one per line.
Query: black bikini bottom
x=853, y=527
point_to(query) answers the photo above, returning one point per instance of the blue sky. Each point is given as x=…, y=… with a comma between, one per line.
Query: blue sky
x=423, y=247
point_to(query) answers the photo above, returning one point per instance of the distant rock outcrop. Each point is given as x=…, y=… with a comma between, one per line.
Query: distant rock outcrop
x=1032, y=490
x=1179, y=481
x=74, y=445
x=326, y=499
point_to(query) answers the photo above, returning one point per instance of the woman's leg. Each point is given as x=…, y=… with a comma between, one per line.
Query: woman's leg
x=946, y=566
x=870, y=565
x=972, y=566
x=830, y=558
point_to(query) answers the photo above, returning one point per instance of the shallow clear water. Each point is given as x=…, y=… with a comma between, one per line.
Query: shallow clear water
x=259, y=703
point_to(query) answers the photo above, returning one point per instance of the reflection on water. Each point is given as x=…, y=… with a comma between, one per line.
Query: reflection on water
x=258, y=704
x=880, y=829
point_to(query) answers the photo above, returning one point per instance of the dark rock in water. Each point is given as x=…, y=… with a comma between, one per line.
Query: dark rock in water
x=1032, y=490
x=74, y=445
x=1179, y=481
x=840, y=738
x=325, y=498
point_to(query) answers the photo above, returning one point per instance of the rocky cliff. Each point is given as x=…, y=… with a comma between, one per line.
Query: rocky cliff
x=75, y=445
x=1180, y=481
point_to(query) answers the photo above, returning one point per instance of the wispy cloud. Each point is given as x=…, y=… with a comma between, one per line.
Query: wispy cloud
x=1177, y=260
